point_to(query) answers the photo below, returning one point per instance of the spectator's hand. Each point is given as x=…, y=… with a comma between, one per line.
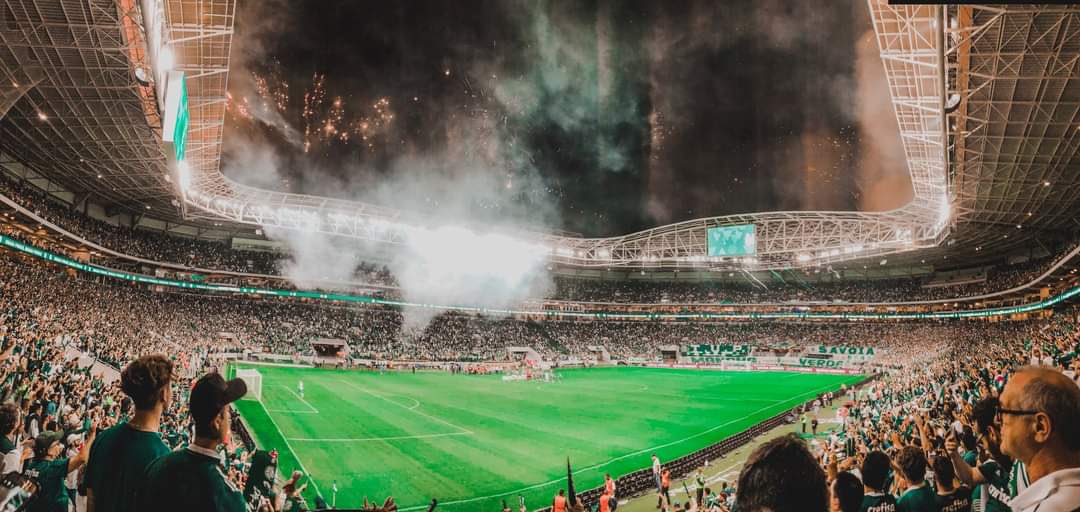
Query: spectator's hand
x=950, y=443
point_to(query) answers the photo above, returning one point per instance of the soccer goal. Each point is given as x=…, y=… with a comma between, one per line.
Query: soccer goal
x=253, y=379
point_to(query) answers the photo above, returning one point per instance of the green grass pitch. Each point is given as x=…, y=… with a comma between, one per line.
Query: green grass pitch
x=471, y=441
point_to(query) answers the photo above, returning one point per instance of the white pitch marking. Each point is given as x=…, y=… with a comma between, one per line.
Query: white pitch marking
x=296, y=455
x=416, y=403
x=605, y=463
x=428, y=416
x=292, y=411
x=287, y=388
x=365, y=439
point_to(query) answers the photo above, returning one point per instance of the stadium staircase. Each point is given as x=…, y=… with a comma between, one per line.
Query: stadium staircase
x=550, y=340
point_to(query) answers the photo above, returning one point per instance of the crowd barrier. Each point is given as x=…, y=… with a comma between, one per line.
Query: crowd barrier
x=641, y=481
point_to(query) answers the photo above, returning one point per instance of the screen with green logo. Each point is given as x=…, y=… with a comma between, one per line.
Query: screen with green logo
x=732, y=240
x=180, y=134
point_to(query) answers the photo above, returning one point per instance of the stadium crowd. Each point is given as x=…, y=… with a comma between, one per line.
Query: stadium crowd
x=187, y=252
x=795, y=289
x=945, y=385
x=212, y=255
x=117, y=320
x=988, y=421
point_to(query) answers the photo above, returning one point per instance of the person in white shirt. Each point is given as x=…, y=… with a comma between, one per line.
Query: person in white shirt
x=1040, y=426
x=656, y=474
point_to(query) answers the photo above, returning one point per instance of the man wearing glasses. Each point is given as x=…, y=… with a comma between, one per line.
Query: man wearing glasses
x=1039, y=416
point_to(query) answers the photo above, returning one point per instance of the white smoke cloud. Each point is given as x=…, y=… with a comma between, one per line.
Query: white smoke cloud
x=466, y=245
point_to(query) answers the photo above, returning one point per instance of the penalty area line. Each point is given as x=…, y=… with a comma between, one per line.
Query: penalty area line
x=367, y=439
x=621, y=457
x=428, y=416
x=313, y=409
x=296, y=455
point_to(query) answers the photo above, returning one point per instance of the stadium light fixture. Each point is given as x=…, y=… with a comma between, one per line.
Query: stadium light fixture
x=141, y=76
x=951, y=105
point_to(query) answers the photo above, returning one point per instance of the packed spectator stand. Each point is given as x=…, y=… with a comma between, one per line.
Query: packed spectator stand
x=217, y=256
x=931, y=365
x=935, y=382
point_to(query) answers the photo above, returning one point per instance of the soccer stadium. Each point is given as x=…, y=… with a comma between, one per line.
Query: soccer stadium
x=274, y=255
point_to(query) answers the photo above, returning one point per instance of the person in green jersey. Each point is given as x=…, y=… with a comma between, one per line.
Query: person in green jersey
x=917, y=496
x=48, y=471
x=192, y=478
x=970, y=445
x=875, y=474
x=950, y=497
x=117, y=466
x=992, y=476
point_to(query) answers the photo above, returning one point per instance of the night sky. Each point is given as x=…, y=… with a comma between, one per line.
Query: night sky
x=600, y=118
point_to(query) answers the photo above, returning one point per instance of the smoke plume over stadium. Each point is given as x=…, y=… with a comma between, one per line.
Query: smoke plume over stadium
x=600, y=118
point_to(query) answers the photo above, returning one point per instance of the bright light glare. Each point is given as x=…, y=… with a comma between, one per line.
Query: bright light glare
x=165, y=61
x=184, y=171
x=450, y=253
x=944, y=212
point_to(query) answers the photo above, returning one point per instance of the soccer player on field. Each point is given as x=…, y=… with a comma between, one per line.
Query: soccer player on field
x=300, y=388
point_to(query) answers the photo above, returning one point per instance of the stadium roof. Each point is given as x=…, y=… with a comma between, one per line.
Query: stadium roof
x=70, y=108
x=1016, y=70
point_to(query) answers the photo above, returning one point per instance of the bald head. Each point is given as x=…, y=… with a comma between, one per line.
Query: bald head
x=1050, y=392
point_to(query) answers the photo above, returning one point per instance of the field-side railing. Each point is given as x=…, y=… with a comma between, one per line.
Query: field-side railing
x=640, y=482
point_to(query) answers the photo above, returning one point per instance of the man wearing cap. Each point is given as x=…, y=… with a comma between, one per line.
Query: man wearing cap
x=192, y=478
x=48, y=471
x=117, y=466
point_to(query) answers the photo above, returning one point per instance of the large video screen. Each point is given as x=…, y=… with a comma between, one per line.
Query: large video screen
x=732, y=240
